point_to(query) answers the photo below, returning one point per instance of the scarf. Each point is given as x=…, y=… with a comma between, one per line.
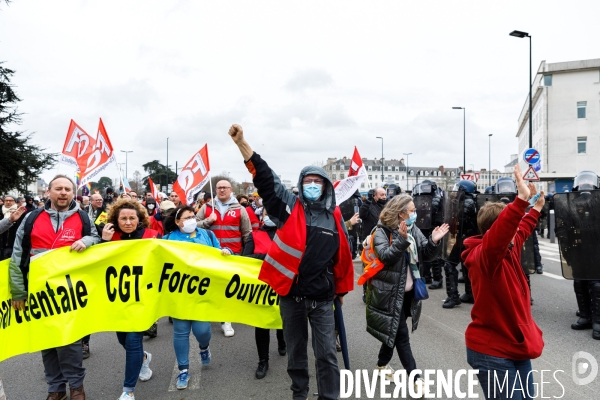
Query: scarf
x=413, y=254
x=6, y=211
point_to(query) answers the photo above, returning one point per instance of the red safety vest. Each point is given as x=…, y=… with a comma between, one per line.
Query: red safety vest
x=262, y=242
x=227, y=230
x=148, y=234
x=253, y=219
x=280, y=267
x=44, y=237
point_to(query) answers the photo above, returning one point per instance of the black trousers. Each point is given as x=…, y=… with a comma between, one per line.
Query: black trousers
x=263, y=338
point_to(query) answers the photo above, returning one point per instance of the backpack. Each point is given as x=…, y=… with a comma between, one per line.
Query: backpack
x=26, y=242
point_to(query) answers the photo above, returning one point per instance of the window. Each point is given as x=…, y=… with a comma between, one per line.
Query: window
x=369, y=168
x=581, y=145
x=547, y=80
x=370, y=177
x=362, y=185
x=333, y=177
x=397, y=177
x=341, y=176
x=581, y=105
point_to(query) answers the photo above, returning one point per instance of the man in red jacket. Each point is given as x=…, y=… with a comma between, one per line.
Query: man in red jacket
x=503, y=337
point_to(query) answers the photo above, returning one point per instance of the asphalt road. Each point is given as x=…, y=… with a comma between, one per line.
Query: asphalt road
x=437, y=344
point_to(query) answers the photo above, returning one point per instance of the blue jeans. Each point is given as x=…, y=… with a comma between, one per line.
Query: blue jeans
x=134, y=357
x=181, y=339
x=497, y=376
x=295, y=331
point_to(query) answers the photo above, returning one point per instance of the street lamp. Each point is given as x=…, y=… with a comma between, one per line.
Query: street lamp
x=464, y=137
x=407, y=154
x=379, y=137
x=522, y=35
x=490, y=159
x=126, y=152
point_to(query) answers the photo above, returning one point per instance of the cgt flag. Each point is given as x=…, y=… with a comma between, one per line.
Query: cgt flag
x=97, y=157
x=346, y=187
x=153, y=189
x=193, y=176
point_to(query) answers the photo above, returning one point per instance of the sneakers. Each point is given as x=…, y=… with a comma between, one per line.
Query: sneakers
x=127, y=396
x=152, y=332
x=390, y=374
x=85, y=350
x=227, y=329
x=420, y=387
x=146, y=372
x=205, y=356
x=263, y=367
x=57, y=396
x=182, y=379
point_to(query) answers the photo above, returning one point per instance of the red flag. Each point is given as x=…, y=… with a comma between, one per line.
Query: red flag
x=356, y=164
x=193, y=176
x=347, y=187
x=96, y=158
x=77, y=144
x=153, y=189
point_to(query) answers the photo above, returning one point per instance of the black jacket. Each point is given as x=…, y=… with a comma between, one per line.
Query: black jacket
x=315, y=273
x=369, y=214
x=385, y=291
x=7, y=239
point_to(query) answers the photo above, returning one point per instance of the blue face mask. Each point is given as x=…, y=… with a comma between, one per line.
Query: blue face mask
x=312, y=191
x=533, y=200
x=411, y=219
x=267, y=221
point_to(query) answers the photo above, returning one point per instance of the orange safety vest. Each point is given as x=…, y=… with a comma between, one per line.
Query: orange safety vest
x=262, y=242
x=227, y=230
x=148, y=234
x=46, y=238
x=281, y=265
x=253, y=218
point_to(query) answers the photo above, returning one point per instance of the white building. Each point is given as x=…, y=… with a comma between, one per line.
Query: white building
x=394, y=172
x=566, y=120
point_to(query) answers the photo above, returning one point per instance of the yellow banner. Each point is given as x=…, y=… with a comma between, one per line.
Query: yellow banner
x=126, y=286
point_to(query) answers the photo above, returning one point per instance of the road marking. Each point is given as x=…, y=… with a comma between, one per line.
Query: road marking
x=194, y=370
x=557, y=277
x=551, y=259
x=552, y=245
x=549, y=253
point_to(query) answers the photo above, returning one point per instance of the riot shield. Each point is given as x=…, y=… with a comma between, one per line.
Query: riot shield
x=349, y=208
x=453, y=206
x=424, y=211
x=527, y=257
x=578, y=233
x=494, y=198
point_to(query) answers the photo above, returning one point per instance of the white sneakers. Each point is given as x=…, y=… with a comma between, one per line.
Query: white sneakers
x=127, y=396
x=389, y=375
x=227, y=329
x=146, y=372
x=420, y=386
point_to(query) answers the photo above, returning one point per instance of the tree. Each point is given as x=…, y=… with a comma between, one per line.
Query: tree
x=158, y=173
x=136, y=183
x=21, y=162
x=104, y=182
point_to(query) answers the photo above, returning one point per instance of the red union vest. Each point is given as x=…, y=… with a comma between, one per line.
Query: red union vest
x=227, y=230
x=280, y=267
x=148, y=234
x=44, y=237
x=253, y=219
x=262, y=242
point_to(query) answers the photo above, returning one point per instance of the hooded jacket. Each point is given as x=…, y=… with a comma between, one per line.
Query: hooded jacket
x=57, y=218
x=502, y=324
x=315, y=278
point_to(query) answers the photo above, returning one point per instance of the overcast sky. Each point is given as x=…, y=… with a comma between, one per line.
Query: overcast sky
x=307, y=80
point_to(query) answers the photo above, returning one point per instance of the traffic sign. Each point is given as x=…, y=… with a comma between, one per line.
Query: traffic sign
x=531, y=175
x=470, y=177
x=531, y=156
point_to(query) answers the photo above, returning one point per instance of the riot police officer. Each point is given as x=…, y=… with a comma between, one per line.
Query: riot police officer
x=466, y=221
x=587, y=292
x=430, y=214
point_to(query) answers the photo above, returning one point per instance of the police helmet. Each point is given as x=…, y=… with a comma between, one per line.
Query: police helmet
x=425, y=187
x=488, y=190
x=467, y=186
x=585, y=180
x=505, y=185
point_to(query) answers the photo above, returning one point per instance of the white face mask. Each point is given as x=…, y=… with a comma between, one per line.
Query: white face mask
x=150, y=206
x=189, y=226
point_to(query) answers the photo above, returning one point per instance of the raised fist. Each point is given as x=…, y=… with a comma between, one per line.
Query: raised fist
x=237, y=134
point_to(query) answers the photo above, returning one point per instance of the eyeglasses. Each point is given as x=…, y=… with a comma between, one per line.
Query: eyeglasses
x=9, y=200
x=318, y=181
x=223, y=187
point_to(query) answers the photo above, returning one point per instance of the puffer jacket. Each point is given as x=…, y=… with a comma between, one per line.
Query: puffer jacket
x=385, y=291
